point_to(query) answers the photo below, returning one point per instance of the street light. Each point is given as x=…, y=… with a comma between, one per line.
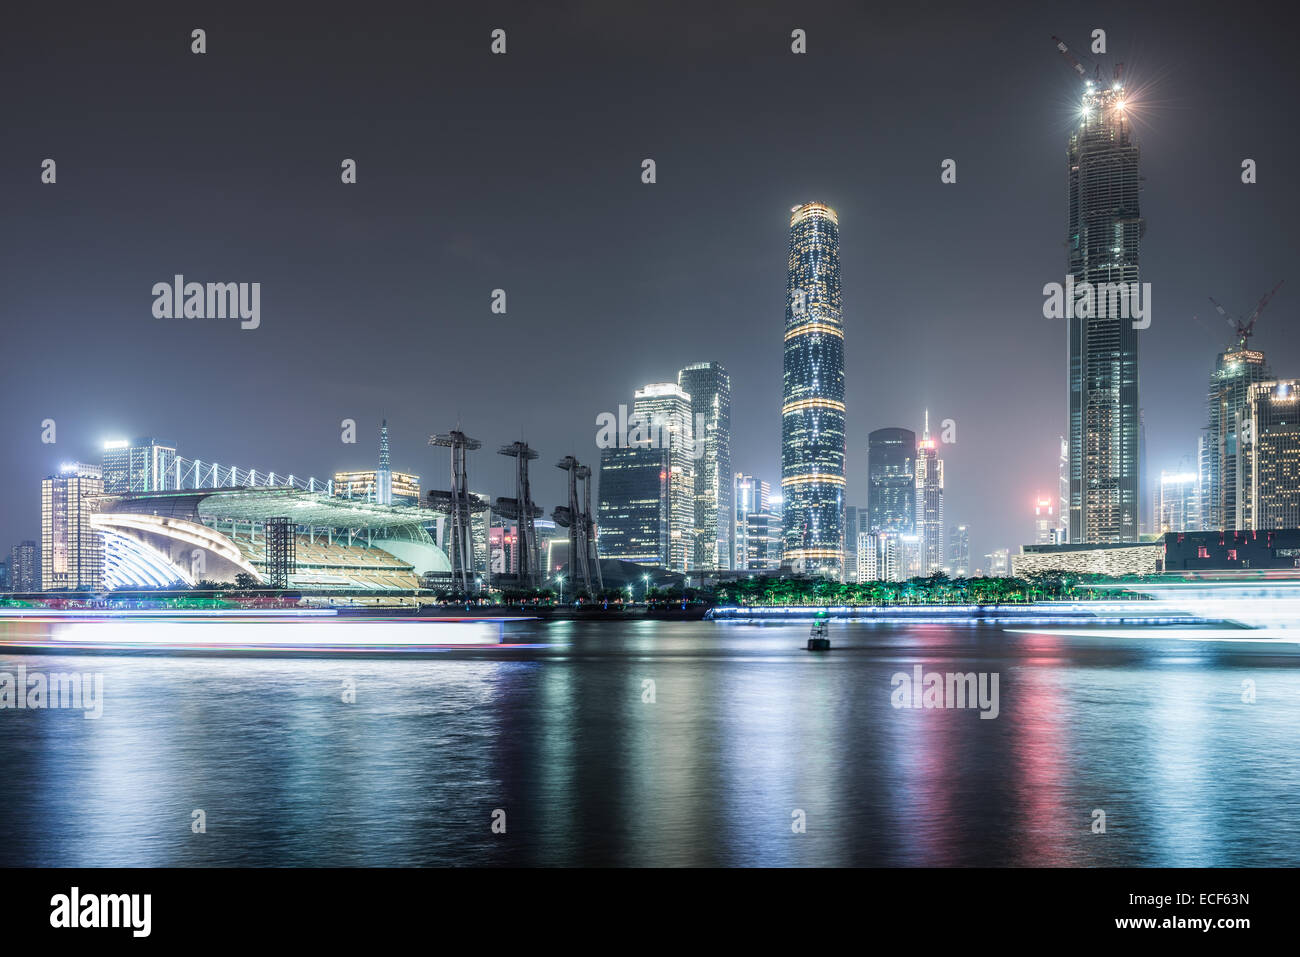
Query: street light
x=560, y=579
x=645, y=594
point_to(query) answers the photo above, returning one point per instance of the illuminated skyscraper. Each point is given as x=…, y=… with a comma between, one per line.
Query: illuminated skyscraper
x=1226, y=502
x=632, y=513
x=812, y=414
x=891, y=481
x=1044, y=521
x=71, y=551
x=1179, y=508
x=24, y=570
x=1103, y=238
x=709, y=387
x=666, y=409
x=1275, y=456
x=145, y=465
x=851, y=543
x=749, y=497
x=1063, y=494
x=959, y=551
x=929, y=503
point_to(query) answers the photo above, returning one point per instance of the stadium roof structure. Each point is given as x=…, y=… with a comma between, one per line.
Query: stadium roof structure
x=259, y=504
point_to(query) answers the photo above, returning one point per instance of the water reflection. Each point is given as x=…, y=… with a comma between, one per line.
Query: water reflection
x=744, y=729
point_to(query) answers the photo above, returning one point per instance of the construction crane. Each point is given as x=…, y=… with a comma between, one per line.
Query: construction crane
x=1070, y=58
x=1079, y=68
x=1246, y=327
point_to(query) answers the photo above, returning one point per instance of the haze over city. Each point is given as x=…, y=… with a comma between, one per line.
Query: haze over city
x=522, y=173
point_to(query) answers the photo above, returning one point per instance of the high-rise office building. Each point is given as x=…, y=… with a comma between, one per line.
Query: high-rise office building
x=632, y=513
x=763, y=542
x=1226, y=499
x=1044, y=521
x=709, y=386
x=1103, y=239
x=749, y=496
x=959, y=551
x=929, y=503
x=1063, y=493
x=908, y=552
x=71, y=550
x=887, y=556
x=504, y=542
x=851, y=543
x=1179, y=502
x=667, y=408
x=1204, y=468
x=1275, y=455
x=999, y=562
x=812, y=413
x=145, y=465
x=24, y=567
x=891, y=481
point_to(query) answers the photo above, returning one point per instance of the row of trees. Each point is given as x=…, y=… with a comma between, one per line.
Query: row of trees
x=551, y=596
x=937, y=589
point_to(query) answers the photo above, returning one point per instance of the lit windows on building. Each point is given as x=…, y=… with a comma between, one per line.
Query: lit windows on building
x=1275, y=456
x=812, y=413
x=71, y=550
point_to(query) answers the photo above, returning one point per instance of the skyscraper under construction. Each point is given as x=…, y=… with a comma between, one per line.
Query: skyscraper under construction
x=1105, y=230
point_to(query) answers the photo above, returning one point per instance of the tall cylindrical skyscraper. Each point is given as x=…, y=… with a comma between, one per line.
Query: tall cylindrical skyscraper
x=812, y=415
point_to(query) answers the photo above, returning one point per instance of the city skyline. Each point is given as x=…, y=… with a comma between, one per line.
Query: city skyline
x=907, y=260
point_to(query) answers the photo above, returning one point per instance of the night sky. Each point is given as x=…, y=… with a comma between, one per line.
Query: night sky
x=522, y=172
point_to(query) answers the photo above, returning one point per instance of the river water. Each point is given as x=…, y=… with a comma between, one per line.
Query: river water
x=670, y=743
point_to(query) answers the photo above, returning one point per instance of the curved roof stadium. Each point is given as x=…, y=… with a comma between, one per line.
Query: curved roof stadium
x=170, y=538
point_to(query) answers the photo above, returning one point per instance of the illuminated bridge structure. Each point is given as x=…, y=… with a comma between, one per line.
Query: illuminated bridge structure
x=197, y=474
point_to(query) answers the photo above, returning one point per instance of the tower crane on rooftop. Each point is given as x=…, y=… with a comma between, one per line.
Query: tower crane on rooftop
x=1246, y=326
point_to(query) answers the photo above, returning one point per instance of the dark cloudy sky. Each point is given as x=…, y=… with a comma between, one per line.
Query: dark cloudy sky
x=523, y=172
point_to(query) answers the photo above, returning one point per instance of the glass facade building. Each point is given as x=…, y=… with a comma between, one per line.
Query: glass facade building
x=929, y=504
x=632, y=513
x=145, y=465
x=959, y=551
x=709, y=386
x=1275, y=458
x=71, y=551
x=891, y=481
x=1226, y=468
x=666, y=409
x=1103, y=236
x=1179, y=502
x=24, y=570
x=812, y=412
x=749, y=496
